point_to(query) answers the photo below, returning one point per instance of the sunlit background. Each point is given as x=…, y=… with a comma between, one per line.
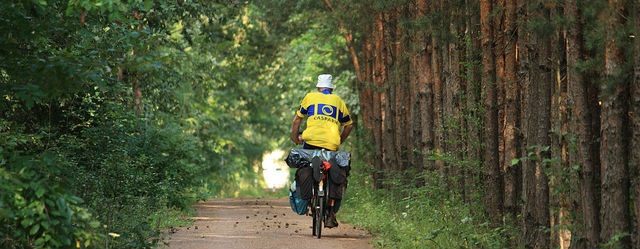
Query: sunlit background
x=275, y=170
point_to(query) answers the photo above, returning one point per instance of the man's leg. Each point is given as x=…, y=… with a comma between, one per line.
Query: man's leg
x=331, y=219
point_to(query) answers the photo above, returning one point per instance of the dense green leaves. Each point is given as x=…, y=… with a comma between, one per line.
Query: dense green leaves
x=112, y=110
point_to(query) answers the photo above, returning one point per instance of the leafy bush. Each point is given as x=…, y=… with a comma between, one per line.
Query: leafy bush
x=37, y=207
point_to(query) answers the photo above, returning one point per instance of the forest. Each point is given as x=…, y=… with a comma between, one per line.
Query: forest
x=478, y=123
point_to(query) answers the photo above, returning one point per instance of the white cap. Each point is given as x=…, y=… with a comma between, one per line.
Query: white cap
x=324, y=80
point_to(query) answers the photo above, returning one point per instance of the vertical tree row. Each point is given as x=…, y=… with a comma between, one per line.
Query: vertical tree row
x=531, y=105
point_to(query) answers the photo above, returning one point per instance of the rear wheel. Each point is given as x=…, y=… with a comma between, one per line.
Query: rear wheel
x=318, y=218
x=313, y=213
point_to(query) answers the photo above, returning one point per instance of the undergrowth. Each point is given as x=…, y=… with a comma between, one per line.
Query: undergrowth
x=427, y=216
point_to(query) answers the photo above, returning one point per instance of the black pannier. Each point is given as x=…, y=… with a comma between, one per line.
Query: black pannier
x=338, y=182
x=340, y=166
x=304, y=183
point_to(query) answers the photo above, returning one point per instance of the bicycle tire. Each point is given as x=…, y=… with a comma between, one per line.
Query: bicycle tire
x=319, y=216
x=313, y=214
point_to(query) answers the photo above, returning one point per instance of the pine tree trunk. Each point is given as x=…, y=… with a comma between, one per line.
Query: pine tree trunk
x=581, y=125
x=635, y=124
x=428, y=119
x=447, y=94
x=456, y=118
x=528, y=222
x=474, y=172
x=493, y=194
x=401, y=83
x=512, y=92
x=559, y=200
x=615, y=180
x=378, y=80
x=389, y=98
x=436, y=65
x=541, y=79
x=365, y=93
x=499, y=53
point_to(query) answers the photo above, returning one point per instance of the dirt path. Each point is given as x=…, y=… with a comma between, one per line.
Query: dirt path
x=259, y=223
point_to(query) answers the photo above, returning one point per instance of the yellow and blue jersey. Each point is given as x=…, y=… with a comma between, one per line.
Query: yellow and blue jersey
x=326, y=112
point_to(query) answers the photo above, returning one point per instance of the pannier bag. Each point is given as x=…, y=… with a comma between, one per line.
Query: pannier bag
x=298, y=204
x=304, y=182
x=338, y=182
x=299, y=158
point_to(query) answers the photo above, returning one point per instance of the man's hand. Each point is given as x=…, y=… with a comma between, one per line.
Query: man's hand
x=295, y=137
x=345, y=133
x=298, y=140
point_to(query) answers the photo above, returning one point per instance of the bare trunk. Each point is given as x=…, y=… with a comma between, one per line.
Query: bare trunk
x=378, y=79
x=578, y=99
x=499, y=57
x=437, y=104
x=541, y=78
x=528, y=222
x=615, y=180
x=493, y=195
x=635, y=124
x=512, y=92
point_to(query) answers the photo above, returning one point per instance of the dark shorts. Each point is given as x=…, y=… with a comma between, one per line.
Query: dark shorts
x=307, y=146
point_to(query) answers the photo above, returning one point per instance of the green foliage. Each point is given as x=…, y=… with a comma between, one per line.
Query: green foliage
x=37, y=207
x=87, y=163
x=417, y=217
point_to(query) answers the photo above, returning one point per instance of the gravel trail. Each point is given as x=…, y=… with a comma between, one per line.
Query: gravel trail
x=259, y=223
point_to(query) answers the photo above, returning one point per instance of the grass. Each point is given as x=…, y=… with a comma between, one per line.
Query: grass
x=418, y=217
x=171, y=217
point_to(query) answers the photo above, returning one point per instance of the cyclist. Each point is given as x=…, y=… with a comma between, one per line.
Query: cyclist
x=326, y=112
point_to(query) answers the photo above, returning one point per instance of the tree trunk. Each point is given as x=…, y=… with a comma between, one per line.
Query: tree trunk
x=436, y=65
x=560, y=183
x=456, y=98
x=615, y=180
x=378, y=80
x=528, y=222
x=401, y=91
x=499, y=54
x=389, y=99
x=541, y=78
x=512, y=92
x=493, y=194
x=473, y=91
x=428, y=105
x=635, y=123
x=581, y=125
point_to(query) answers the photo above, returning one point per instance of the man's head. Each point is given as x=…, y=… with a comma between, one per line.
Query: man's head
x=324, y=82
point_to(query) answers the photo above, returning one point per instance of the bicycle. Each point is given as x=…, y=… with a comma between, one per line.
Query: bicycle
x=319, y=200
x=320, y=162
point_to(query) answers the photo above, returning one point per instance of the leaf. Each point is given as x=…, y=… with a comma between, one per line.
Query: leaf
x=34, y=229
x=148, y=4
x=94, y=224
x=39, y=241
x=26, y=222
x=515, y=161
x=40, y=192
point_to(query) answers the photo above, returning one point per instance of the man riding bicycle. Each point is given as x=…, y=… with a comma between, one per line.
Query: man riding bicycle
x=326, y=112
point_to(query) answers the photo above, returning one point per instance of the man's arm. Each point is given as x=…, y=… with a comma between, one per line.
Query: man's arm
x=295, y=129
x=345, y=133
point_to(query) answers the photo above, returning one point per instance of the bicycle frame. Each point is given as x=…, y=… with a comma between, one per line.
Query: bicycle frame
x=320, y=199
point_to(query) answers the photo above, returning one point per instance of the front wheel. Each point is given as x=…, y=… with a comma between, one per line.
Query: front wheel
x=318, y=218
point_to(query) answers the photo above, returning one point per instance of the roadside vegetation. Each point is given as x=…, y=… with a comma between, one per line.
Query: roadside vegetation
x=478, y=123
